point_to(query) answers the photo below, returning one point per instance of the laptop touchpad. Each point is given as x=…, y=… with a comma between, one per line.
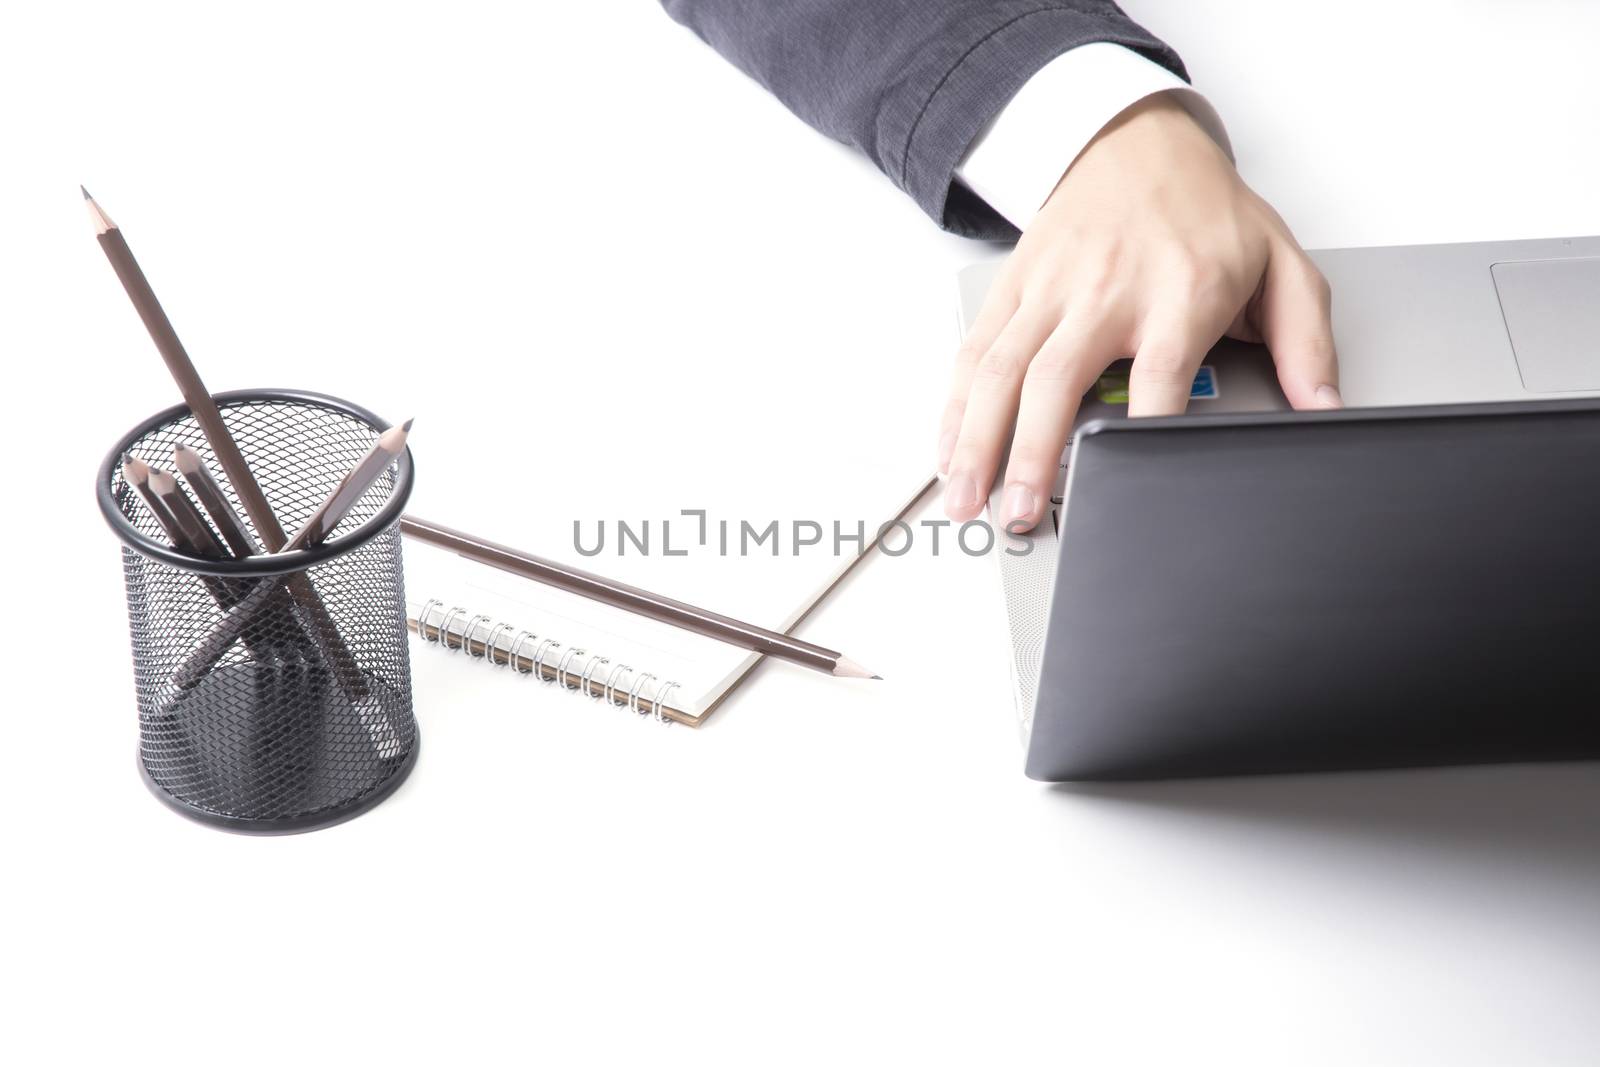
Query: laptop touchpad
x=1552, y=311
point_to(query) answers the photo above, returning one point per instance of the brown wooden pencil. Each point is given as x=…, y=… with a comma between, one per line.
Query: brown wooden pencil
x=209, y=493
x=136, y=472
x=638, y=601
x=351, y=678
x=183, y=372
x=390, y=444
x=198, y=537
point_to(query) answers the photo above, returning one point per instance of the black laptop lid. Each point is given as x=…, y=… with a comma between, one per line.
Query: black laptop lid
x=1316, y=591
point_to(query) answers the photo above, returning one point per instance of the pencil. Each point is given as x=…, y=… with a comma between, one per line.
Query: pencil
x=197, y=536
x=638, y=601
x=314, y=531
x=182, y=370
x=136, y=472
x=204, y=408
x=209, y=493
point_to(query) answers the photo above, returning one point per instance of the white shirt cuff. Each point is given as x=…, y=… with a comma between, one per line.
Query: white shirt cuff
x=1018, y=159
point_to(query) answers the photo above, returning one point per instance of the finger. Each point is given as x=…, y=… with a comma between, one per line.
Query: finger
x=998, y=307
x=1065, y=368
x=1296, y=321
x=991, y=406
x=1170, y=352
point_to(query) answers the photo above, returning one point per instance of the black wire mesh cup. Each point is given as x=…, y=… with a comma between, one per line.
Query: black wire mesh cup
x=302, y=717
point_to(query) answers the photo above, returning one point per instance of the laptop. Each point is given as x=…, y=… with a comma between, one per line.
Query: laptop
x=1413, y=580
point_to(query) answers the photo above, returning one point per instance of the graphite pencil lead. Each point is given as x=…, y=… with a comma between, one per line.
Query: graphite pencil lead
x=406, y=426
x=85, y=192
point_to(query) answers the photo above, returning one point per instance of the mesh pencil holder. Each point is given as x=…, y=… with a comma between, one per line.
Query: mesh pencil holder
x=297, y=715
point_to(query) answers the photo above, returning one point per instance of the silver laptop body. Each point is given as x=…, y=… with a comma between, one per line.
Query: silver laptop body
x=1415, y=325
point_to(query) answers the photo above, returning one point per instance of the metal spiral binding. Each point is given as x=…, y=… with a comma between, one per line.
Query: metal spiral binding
x=561, y=668
x=444, y=626
x=491, y=644
x=623, y=686
x=544, y=646
x=660, y=700
x=466, y=637
x=516, y=647
x=422, y=619
x=584, y=682
x=635, y=692
x=609, y=691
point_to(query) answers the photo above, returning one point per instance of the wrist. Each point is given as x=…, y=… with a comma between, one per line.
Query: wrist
x=1154, y=136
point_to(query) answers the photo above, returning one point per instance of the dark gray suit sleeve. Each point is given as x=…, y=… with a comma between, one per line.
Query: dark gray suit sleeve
x=909, y=82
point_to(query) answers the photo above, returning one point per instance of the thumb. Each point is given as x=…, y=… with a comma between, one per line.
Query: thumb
x=1295, y=321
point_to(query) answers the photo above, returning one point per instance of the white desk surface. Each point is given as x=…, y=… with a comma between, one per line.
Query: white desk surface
x=828, y=872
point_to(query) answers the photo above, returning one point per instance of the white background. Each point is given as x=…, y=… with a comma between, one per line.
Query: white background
x=438, y=210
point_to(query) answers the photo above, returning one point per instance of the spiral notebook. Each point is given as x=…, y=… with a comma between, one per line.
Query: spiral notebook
x=733, y=395
x=611, y=656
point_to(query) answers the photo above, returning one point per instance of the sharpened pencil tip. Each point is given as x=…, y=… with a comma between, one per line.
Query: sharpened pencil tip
x=97, y=214
x=849, y=668
x=877, y=677
x=135, y=470
x=393, y=439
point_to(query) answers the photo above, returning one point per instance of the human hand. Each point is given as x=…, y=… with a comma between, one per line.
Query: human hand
x=1152, y=247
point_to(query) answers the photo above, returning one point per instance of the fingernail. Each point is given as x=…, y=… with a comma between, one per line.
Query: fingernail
x=1019, y=504
x=1329, y=397
x=961, y=494
x=947, y=448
